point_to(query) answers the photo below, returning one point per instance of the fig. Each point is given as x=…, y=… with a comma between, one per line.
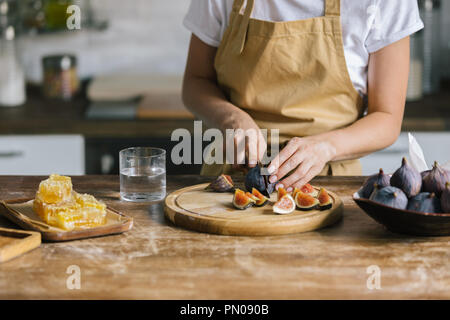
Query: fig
x=425, y=202
x=424, y=174
x=254, y=179
x=325, y=201
x=284, y=205
x=381, y=179
x=445, y=199
x=241, y=201
x=261, y=199
x=281, y=192
x=435, y=180
x=222, y=183
x=309, y=189
x=408, y=179
x=390, y=196
x=294, y=192
x=306, y=202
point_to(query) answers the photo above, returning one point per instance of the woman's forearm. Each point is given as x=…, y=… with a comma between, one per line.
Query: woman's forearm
x=207, y=102
x=374, y=132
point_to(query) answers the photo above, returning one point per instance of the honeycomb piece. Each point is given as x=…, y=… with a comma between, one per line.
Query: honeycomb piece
x=69, y=215
x=59, y=206
x=59, y=215
x=88, y=201
x=55, y=189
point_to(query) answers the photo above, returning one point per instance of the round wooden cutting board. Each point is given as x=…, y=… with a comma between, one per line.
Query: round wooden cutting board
x=205, y=211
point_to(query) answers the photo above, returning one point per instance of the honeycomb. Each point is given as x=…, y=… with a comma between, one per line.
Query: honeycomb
x=75, y=211
x=55, y=189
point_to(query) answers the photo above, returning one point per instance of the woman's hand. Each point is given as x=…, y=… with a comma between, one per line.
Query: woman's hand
x=306, y=156
x=249, y=143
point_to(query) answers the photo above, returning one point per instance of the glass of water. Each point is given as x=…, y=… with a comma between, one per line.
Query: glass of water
x=142, y=174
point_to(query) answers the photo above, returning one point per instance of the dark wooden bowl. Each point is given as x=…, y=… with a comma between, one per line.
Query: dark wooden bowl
x=406, y=221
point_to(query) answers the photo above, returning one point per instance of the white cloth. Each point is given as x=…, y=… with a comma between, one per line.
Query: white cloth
x=367, y=25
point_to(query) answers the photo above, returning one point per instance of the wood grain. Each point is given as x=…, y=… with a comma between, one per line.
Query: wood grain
x=14, y=243
x=196, y=209
x=157, y=260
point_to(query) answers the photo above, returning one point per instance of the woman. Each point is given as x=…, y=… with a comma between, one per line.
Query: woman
x=331, y=75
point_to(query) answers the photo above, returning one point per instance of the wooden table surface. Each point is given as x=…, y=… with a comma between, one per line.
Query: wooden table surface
x=156, y=260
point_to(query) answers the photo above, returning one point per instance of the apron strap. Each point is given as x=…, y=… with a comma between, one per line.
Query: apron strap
x=237, y=5
x=243, y=28
x=333, y=8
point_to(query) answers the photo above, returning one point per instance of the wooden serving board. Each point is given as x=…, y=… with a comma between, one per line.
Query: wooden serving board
x=20, y=211
x=196, y=209
x=13, y=243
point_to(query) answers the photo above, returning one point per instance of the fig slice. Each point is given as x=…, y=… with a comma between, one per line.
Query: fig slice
x=222, y=183
x=284, y=205
x=306, y=202
x=252, y=196
x=309, y=189
x=325, y=201
x=241, y=201
x=281, y=192
x=261, y=199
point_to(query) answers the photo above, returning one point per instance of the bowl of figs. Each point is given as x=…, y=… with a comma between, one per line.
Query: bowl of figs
x=408, y=201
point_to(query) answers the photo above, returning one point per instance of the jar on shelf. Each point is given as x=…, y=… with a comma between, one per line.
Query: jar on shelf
x=60, y=78
x=12, y=77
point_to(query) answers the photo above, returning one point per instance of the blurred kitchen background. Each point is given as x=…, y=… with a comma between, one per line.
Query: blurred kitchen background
x=71, y=99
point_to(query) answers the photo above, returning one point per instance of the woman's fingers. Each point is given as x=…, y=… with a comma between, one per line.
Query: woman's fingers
x=281, y=158
x=290, y=164
x=300, y=174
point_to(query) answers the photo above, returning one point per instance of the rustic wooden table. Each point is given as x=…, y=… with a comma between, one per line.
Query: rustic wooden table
x=156, y=260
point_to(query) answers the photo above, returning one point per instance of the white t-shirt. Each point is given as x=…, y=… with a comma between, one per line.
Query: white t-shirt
x=367, y=25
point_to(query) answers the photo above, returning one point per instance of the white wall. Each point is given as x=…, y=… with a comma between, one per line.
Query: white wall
x=144, y=36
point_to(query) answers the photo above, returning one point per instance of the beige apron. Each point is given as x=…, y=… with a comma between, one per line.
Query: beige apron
x=290, y=76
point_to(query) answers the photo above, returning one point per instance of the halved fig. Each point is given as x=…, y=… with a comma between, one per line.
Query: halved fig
x=284, y=205
x=281, y=192
x=309, y=189
x=325, y=201
x=222, y=183
x=306, y=202
x=241, y=201
x=262, y=199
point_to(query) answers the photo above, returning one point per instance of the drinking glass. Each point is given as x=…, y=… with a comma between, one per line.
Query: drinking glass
x=142, y=174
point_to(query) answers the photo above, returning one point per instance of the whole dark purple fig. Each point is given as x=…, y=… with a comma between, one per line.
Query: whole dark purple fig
x=425, y=202
x=380, y=179
x=424, y=173
x=255, y=179
x=436, y=179
x=390, y=196
x=445, y=198
x=408, y=179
